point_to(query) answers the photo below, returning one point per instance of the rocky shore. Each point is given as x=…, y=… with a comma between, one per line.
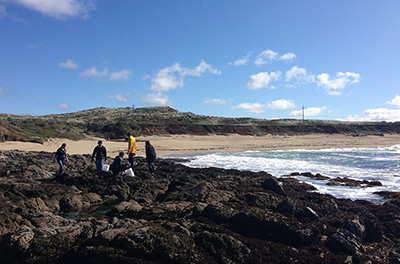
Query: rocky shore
x=182, y=215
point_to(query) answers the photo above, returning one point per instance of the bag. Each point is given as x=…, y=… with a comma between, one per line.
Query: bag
x=105, y=167
x=129, y=172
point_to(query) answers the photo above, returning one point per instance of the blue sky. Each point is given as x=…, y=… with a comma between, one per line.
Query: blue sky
x=263, y=59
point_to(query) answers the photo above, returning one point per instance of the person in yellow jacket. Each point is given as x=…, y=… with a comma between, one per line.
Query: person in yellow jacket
x=131, y=149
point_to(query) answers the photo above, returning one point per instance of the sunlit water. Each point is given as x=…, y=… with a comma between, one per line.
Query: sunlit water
x=378, y=164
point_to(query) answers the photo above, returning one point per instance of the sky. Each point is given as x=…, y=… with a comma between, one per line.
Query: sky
x=340, y=60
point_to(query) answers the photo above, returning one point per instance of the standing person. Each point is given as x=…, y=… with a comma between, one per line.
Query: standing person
x=100, y=153
x=61, y=157
x=131, y=149
x=150, y=156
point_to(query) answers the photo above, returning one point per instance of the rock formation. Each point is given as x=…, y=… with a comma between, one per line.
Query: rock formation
x=181, y=215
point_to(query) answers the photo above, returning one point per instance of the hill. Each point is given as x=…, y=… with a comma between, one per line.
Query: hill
x=114, y=123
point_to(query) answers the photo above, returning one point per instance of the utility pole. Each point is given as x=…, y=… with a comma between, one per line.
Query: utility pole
x=303, y=112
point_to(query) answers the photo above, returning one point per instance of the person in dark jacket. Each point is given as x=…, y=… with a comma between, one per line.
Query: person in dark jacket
x=61, y=157
x=100, y=153
x=150, y=156
x=119, y=165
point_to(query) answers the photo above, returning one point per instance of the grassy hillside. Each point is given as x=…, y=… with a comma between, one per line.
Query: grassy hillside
x=115, y=123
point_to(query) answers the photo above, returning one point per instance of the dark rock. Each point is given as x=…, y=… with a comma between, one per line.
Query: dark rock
x=310, y=213
x=272, y=184
x=224, y=248
x=353, y=183
x=183, y=215
x=286, y=206
x=339, y=243
x=356, y=227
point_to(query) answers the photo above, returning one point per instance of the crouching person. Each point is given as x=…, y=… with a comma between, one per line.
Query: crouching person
x=119, y=165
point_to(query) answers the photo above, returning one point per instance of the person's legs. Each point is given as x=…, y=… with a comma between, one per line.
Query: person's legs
x=130, y=159
x=99, y=165
x=151, y=167
x=61, y=164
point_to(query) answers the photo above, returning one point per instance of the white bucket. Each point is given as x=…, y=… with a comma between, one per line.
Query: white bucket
x=106, y=167
x=129, y=172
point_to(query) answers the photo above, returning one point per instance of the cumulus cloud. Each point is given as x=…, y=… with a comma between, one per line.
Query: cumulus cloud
x=156, y=99
x=395, y=101
x=378, y=115
x=244, y=60
x=173, y=77
x=94, y=73
x=287, y=56
x=69, y=64
x=64, y=107
x=333, y=85
x=60, y=9
x=119, y=97
x=262, y=80
x=121, y=75
x=299, y=75
x=281, y=104
x=253, y=108
x=215, y=102
x=268, y=55
x=309, y=112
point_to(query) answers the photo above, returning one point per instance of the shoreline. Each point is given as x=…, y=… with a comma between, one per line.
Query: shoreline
x=175, y=144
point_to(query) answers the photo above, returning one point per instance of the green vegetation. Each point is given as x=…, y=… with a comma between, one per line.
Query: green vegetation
x=115, y=123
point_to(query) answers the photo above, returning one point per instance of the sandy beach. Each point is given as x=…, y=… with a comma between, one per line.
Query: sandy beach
x=211, y=143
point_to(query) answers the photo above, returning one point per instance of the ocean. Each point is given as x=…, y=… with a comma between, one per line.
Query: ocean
x=377, y=164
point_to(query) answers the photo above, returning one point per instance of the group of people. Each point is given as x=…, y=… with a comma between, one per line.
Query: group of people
x=99, y=155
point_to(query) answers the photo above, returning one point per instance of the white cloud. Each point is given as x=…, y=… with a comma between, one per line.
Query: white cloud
x=281, y=104
x=262, y=80
x=287, y=56
x=156, y=99
x=335, y=84
x=69, y=64
x=173, y=77
x=309, y=112
x=269, y=56
x=395, y=101
x=266, y=56
x=299, y=74
x=121, y=75
x=94, y=73
x=59, y=9
x=244, y=60
x=64, y=107
x=254, y=108
x=199, y=70
x=378, y=114
x=215, y=102
x=119, y=97
x=168, y=79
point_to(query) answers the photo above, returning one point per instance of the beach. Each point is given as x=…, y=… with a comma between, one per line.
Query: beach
x=171, y=144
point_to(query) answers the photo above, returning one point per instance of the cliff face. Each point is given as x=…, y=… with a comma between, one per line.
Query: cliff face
x=115, y=123
x=181, y=215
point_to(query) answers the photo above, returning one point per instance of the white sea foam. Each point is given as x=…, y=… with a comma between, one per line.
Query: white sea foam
x=379, y=164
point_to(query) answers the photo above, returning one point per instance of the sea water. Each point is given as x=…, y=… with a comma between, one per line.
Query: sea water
x=372, y=164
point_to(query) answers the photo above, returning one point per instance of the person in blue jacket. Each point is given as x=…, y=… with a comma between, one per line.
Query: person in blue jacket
x=100, y=153
x=61, y=157
x=150, y=156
